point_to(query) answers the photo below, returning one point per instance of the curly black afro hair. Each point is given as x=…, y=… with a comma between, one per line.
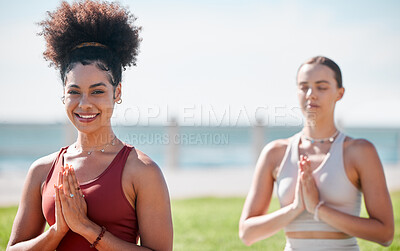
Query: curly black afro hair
x=91, y=21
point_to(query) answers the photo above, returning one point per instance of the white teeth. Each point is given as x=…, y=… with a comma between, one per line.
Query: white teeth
x=87, y=116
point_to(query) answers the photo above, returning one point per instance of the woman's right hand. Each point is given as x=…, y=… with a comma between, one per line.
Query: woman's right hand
x=298, y=202
x=60, y=226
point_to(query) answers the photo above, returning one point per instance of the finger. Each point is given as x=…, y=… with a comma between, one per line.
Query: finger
x=75, y=183
x=303, y=166
x=66, y=187
x=57, y=199
x=61, y=197
x=59, y=182
x=74, y=180
x=71, y=183
x=306, y=165
x=300, y=165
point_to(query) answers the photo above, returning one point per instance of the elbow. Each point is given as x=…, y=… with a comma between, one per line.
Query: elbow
x=387, y=237
x=244, y=236
x=386, y=242
x=9, y=247
x=244, y=239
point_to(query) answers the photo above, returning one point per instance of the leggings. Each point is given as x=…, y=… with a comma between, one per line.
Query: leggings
x=349, y=244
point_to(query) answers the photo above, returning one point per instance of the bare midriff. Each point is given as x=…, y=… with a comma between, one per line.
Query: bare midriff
x=317, y=235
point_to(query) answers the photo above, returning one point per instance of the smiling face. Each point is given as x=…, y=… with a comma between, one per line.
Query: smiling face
x=89, y=98
x=318, y=91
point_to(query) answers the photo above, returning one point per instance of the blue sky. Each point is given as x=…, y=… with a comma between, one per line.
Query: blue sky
x=220, y=62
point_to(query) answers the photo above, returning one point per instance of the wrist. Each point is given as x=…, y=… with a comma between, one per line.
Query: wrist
x=296, y=209
x=56, y=232
x=90, y=231
x=316, y=210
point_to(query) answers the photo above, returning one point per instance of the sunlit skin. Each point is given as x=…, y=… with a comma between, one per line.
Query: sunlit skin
x=318, y=94
x=89, y=102
x=88, y=92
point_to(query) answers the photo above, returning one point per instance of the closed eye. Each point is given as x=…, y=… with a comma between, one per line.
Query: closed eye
x=73, y=92
x=304, y=88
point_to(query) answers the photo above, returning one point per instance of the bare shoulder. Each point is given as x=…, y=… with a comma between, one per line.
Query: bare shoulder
x=352, y=144
x=277, y=146
x=274, y=151
x=358, y=148
x=361, y=154
x=40, y=168
x=141, y=167
x=271, y=158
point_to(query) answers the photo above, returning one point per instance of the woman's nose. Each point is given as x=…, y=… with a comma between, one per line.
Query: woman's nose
x=84, y=103
x=310, y=93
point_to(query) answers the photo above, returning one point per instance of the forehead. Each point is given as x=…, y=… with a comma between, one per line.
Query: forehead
x=314, y=73
x=83, y=75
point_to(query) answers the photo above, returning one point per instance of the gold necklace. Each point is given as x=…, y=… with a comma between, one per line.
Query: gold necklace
x=102, y=149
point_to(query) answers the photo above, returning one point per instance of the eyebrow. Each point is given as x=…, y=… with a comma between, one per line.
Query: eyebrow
x=92, y=86
x=317, y=82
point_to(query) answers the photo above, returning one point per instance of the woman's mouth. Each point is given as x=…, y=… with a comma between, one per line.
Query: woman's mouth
x=86, y=117
x=312, y=106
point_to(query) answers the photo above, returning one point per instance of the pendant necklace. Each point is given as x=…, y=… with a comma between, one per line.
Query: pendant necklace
x=102, y=149
x=329, y=139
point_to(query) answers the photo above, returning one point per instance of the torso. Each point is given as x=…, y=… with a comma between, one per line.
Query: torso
x=88, y=168
x=100, y=176
x=317, y=154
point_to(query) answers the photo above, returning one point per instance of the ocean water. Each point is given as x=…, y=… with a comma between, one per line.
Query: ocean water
x=198, y=147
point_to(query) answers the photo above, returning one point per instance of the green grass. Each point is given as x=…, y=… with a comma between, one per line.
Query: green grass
x=212, y=224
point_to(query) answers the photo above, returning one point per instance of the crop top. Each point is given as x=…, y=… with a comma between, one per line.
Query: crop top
x=335, y=189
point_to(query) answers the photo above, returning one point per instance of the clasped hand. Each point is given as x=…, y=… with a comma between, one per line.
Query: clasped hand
x=307, y=194
x=71, y=207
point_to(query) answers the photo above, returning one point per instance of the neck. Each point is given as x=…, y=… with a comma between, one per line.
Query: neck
x=319, y=129
x=95, y=139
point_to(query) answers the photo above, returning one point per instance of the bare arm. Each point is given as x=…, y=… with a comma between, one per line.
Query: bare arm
x=152, y=207
x=27, y=232
x=379, y=227
x=255, y=223
x=154, y=210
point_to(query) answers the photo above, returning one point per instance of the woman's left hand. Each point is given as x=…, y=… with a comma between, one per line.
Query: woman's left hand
x=74, y=207
x=309, y=188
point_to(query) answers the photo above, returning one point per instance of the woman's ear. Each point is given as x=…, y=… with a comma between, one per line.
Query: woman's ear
x=117, y=93
x=340, y=93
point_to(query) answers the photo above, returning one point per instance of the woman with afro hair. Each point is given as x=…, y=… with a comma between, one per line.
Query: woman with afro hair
x=99, y=192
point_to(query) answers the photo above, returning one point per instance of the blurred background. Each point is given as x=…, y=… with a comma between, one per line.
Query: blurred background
x=214, y=82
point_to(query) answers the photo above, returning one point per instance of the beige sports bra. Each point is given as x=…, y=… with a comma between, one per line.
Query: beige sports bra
x=335, y=189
